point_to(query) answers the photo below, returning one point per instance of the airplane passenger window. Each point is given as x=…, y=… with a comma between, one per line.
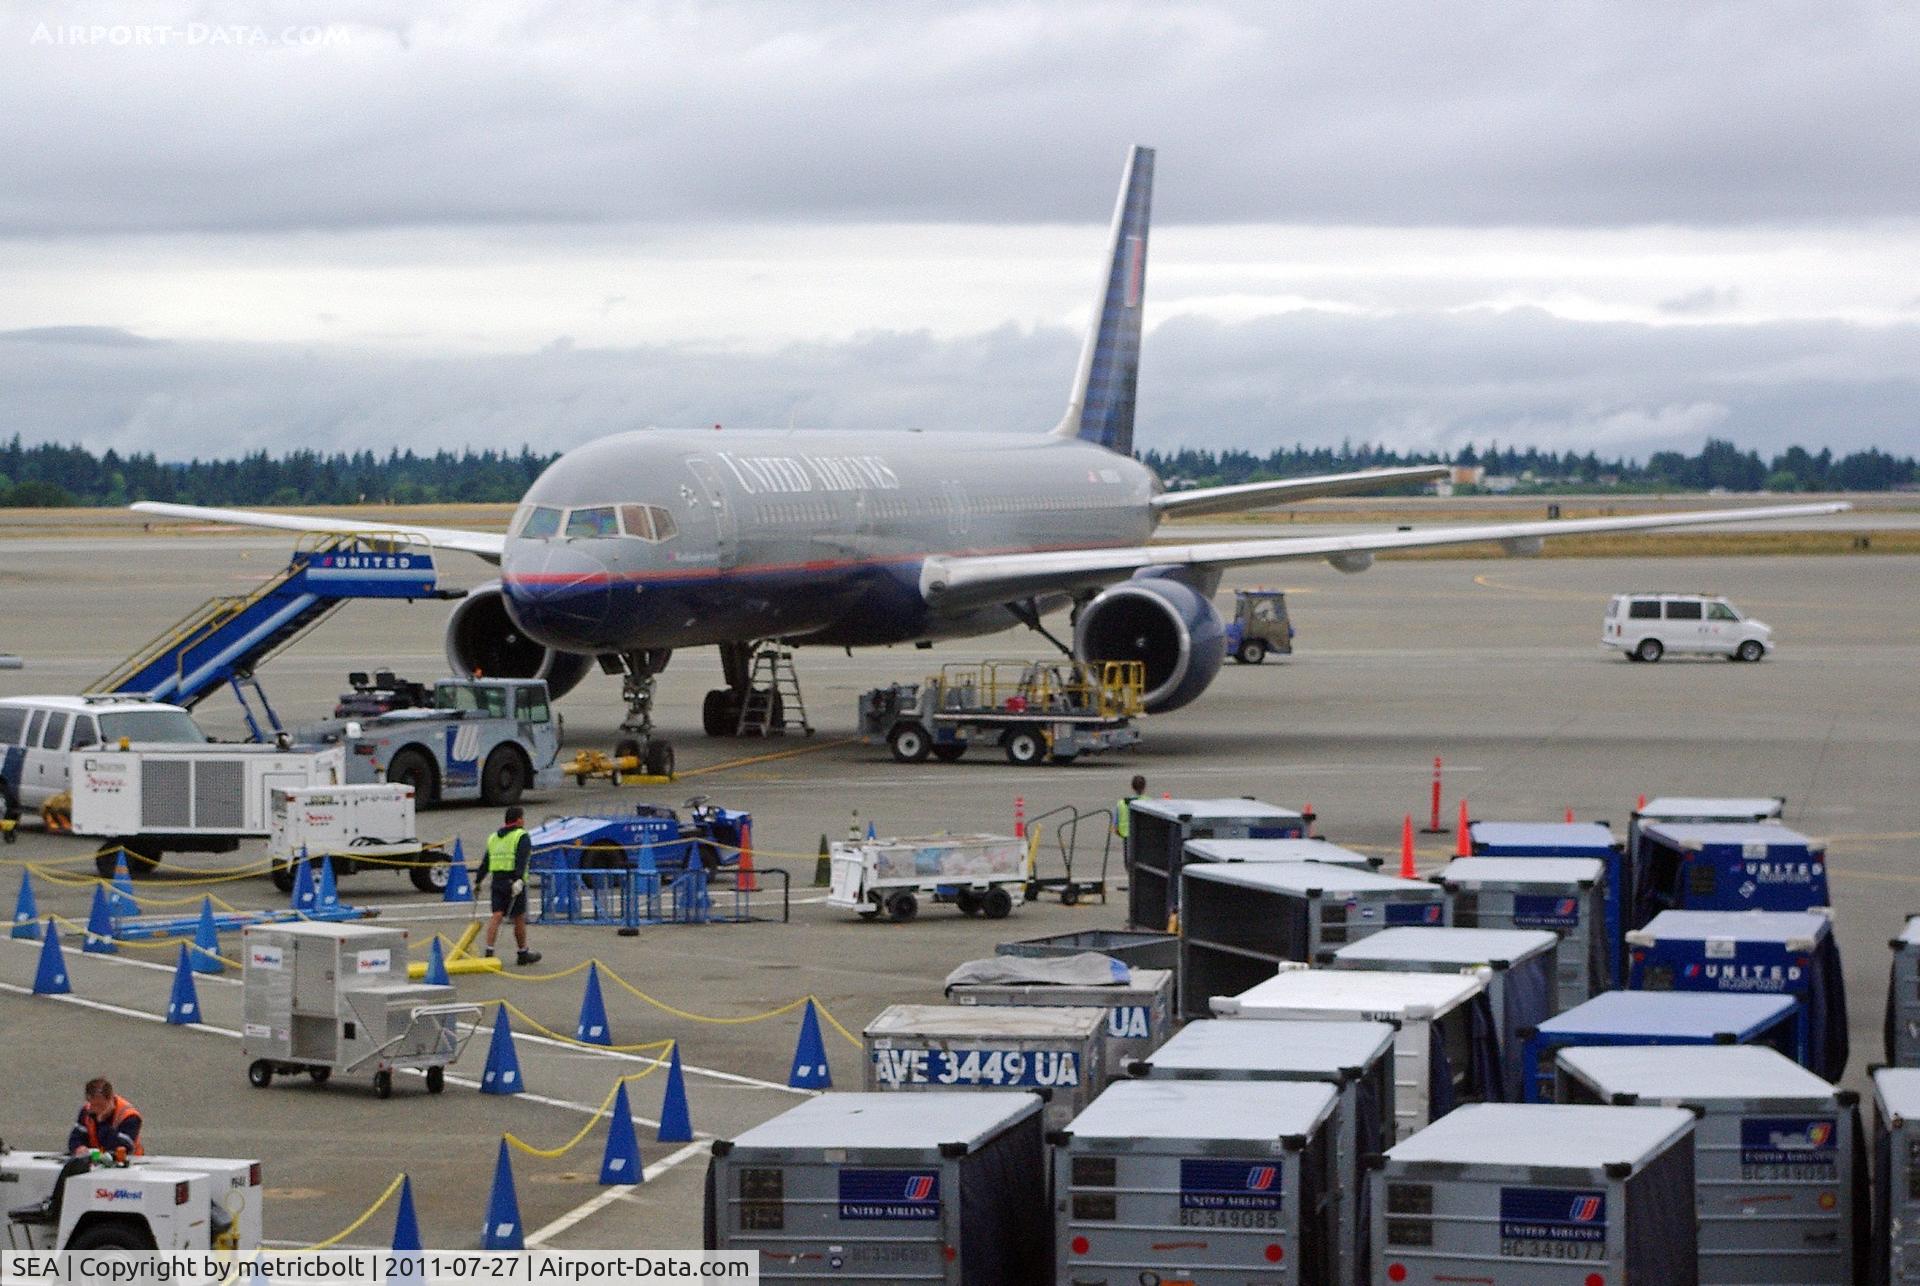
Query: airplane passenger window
x=635, y=521
x=541, y=523
x=585, y=524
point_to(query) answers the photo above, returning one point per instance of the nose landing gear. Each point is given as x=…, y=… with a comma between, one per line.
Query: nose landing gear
x=638, y=671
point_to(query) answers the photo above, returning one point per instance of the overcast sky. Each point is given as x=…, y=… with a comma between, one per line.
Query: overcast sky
x=1615, y=225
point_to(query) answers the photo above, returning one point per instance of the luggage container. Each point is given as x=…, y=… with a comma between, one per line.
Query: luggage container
x=1563, y=895
x=1658, y=1018
x=1728, y=866
x=1896, y=1175
x=940, y=1187
x=1139, y=1010
x=1060, y=1052
x=1780, y=1163
x=1570, y=839
x=1135, y=948
x=1241, y=920
x=1446, y=1050
x=1786, y=953
x=1903, y=998
x=982, y=874
x=1508, y=1194
x=326, y=998
x=1278, y=850
x=1157, y=834
x=1695, y=808
x=1201, y=1182
x=1356, y=1058
x=1518, y=964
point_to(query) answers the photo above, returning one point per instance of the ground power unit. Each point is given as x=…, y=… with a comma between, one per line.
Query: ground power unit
x=1446, y=1049
x=1511, y=1194
x=1570, y=839
x=1355, y=1058
x=1518, y=965
x=1763, y=952
x=1658, y=1018
x=937, y=1187
x=1059, y=1052
x=1564, y=896
x=1780, y=1160
x=1728, y=866
x=1242, y=920
x=1199, y=1181
x=1157, y=834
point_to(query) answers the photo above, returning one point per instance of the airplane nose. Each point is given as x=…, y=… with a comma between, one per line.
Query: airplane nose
x=561, y=583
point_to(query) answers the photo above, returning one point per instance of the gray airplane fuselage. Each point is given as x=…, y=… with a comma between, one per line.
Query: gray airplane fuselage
x=815, y=537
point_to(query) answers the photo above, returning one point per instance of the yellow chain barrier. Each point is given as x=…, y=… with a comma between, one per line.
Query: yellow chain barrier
x=575, y=1041
x=356, y=1225
x=593, y=1122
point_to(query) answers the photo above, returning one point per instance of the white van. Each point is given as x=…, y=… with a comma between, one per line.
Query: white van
x=1647, y=626
x=38, y=733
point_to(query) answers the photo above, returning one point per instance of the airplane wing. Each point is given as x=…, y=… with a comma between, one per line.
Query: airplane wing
x=959, y=581
x=1260, y=495
x=487, y=545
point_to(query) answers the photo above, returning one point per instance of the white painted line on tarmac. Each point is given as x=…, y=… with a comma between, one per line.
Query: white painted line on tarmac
x=625, y=1192
x=121, y=1010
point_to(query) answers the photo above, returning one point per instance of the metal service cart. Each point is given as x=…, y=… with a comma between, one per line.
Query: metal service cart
x=1903, y=997
x=940, y=1187
x=1658, y=1018
x=1728, y=866
x=1776, y=952
x=1896, y=1175
x=1563, y=895
x=1032, y=710
x=991, y=1047
x=1277, y=850
x=1508, y=1194
x=1158, y=831
x=1139, y=1002
x=355, y=828
x=326, y=998
x=1164, y=1181
x=1571, y=839
x=981, y=874
x=1780, y=1163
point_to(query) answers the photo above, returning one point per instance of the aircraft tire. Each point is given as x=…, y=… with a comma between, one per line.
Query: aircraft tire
x=720, y=713
x=658, y=759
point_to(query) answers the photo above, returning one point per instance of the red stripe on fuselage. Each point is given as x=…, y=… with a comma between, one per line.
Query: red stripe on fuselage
x=821, y=565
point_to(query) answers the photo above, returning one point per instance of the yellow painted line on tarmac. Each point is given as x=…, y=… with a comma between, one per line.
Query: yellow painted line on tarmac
x=1555, y=595
x=766, y=758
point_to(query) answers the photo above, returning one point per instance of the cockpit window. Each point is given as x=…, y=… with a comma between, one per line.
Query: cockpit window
x=584, y=524
x=648, y=522
x=539, y=523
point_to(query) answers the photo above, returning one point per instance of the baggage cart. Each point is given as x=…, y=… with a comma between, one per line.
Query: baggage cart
x=1034, y=711
x=1509, y=1194
x=1658, y=1018
x=1896, y=1175
x=1571, y=839
x=1157, y=834
x=1059, y=1052
x=1139, y=1010
x=1696, y=808
x=1278, y=850
x=326, y=998
x=1200, y=1181
x=1445, y=1048
x=938, y=1187
x=1903, y=997
x=1244, y=919
x=1780, y=1164
x=1728, y=866
x=1780, y=952
x=1518, y=963
x=1137, y=949
x=1355, y=1058
x=355, y=828
x=1563, y=895
x=981, y=874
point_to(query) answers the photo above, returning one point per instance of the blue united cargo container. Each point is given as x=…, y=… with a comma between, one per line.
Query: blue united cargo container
x=1696, y=808
x=1789, y=953
x=1569, y=839
x=1728, y=866
x=1659, y=1018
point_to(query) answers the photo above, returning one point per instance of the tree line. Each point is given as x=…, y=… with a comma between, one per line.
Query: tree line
x=48, y=475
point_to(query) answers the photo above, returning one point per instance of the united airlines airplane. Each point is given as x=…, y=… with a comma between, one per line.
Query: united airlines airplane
x=641, y=543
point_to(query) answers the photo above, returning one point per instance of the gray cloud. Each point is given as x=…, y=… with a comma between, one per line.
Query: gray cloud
x=1424, y=381
x=1403, y=112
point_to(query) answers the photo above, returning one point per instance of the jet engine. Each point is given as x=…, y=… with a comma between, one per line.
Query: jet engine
x=1165, y=623
x=483, y=640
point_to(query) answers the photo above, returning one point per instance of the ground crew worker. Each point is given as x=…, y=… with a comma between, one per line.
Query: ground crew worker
x=1123, y=811
x=509, y=851
x=106, y=1123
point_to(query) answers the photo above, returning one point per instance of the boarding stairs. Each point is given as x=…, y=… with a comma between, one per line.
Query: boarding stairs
x=223, y=642
x=773, y=703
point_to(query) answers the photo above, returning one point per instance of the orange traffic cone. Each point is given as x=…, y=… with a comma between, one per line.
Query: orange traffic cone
x=1406, y=848
x=1569, y=815
x=1463, y=842
x=1640, y=806
x=1307, y=816
x=743, y=878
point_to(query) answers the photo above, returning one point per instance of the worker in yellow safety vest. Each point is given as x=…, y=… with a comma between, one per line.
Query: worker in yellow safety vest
x=1123, y=810
x=509, y=852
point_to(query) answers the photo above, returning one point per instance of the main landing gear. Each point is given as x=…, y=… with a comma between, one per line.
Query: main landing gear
x=762, y=696
x=638, y=672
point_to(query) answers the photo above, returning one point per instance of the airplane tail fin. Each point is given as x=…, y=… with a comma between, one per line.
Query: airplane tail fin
x=1100, y=408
